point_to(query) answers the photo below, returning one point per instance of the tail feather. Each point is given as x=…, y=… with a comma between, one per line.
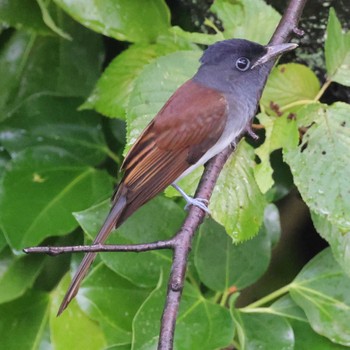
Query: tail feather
x=112, y=220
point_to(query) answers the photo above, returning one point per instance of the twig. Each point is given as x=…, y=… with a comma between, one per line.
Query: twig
x=181, y=243
x=98, y=248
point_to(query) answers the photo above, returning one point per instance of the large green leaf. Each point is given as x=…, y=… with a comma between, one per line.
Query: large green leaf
x=200, y=325
x=221, y=264
x=157, y=220
x=237, y=202
x=106, y=297
x=198, y=38
x=263, y=331
x=280, y=132
x=17, y=274
x=289, y=87
x=321, y=289
x=337, y=50
x=339, y=241
x=49, y=120
x=111, y=94
x=134, y=21
x=41, y=188
x=4, y=159
x=305, y=337
x=73, y=329
x=249, y=19
x=19, y=332
x=32, y=65
x=272, y=223
x=321, y=164
x=3, y=242
x=287, y=308
x=23, y=14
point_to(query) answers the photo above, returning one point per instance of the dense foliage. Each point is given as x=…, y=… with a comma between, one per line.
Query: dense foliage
x=62, y=125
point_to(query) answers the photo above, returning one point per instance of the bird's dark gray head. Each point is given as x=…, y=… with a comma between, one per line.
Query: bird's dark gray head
x=238, y=65
x=229, y=50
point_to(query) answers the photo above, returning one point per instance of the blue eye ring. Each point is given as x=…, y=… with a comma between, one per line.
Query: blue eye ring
x=242, y=64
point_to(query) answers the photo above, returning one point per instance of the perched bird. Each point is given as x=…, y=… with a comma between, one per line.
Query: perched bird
x=199, y=120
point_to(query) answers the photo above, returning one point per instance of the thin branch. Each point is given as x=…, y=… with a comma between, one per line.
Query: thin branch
x=98, y=248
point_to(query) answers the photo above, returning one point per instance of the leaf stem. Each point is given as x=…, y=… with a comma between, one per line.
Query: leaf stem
x=323, y=89
x=277, y=293
x=217, y=297
x=112, y=155
x=225, y=295
x=296, y=103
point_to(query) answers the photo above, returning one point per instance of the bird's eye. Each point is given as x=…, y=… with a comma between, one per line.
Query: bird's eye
x=242, y=64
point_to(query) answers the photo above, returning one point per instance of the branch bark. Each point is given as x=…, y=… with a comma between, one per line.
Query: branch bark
x=181, y=243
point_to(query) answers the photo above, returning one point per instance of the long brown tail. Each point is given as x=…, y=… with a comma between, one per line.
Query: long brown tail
x=110, y=223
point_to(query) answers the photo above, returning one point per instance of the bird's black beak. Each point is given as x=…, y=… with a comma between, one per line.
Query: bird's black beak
x=273, y=51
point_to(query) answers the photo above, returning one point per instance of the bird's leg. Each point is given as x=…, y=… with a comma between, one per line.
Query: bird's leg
x=251, y=133
x=198, y=202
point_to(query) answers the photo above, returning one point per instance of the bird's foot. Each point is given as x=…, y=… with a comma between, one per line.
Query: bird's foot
x=201, y=203
x=198, y=202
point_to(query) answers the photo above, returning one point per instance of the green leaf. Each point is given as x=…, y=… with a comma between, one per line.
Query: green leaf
x=153, y=87
x=289, y=87
x=321, y=289
x=308, y=113
x=3, y=242
x=17, y=274
x=337, y=51
x=47, y=18
x=4, y=159
x=18, y=332
x=105, y=296
x=111, y=94
x=73, y=329
x=198, y=38
x=135, y=21
x=40, y=190
x=262, y=331
x=249, y=19
x=146, y=323
x=23, y=14
x=306, y=338
x=338, y=240
x=321, y=164
x=49, y=120
x=221, y=264
x=287, y=308
x=242, y=214
x=200, y=325
x=32, y=65
x=272, y=223
x=280, y=132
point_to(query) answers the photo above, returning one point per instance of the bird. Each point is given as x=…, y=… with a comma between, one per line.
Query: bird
x=203, y=117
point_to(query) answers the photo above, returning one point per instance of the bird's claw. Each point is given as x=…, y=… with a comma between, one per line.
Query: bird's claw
x=201, y=203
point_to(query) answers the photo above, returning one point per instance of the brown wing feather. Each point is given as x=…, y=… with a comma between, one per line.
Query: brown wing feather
x=187, y=126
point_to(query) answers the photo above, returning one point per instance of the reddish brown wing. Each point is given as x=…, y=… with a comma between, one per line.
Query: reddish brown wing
x=186, y=127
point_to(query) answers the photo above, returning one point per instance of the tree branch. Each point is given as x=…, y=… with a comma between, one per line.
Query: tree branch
x=181, y=243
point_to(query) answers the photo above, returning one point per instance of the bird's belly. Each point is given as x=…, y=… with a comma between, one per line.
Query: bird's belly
x=236, y=124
